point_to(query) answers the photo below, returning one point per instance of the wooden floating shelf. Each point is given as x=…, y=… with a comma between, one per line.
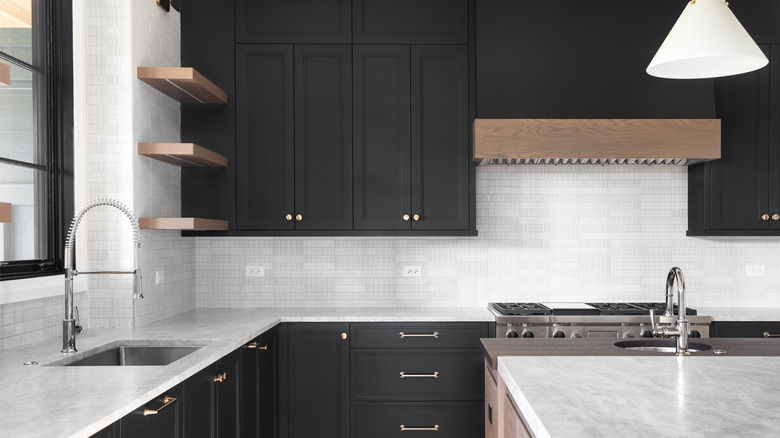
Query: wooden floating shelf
x=182, y=223
x=5, y=212
x=184, y=84
x=182, y=154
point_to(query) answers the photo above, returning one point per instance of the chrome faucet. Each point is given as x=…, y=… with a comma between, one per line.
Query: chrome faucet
x=69, y=327
x=679, y=329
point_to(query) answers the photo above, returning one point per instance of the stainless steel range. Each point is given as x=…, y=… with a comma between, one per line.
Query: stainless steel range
x=588, y=320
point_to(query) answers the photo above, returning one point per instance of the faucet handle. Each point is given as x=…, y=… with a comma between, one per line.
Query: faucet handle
x=78, y=327
x=652, y=320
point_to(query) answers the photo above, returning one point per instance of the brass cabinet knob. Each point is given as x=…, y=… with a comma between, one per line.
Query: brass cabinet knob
x=298, y=217
x=406, y=217
x=416, y=217
x=776, y=217
x=765, y=217
x=288, y=217
x=343, y=336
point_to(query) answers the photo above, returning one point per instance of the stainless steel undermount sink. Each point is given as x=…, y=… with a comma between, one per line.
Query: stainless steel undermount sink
x=131, y=353
x=659, y=345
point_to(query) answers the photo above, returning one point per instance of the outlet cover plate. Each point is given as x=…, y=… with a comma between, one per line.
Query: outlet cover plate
x=255, y=271
x=412, y=271
x=755, y=270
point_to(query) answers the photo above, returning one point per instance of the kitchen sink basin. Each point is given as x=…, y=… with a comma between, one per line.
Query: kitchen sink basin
x=659, y=345
x=134, y=353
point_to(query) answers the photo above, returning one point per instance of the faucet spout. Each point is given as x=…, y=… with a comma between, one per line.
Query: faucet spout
x=680, y=327
x=69, y=329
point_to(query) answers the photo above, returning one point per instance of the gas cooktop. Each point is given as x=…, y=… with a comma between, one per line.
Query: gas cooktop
x=576, y=309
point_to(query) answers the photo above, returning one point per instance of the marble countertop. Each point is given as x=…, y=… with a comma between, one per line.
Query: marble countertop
x=645, y=396
x=56, y=401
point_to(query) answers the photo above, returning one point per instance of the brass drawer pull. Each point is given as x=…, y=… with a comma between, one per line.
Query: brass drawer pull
x=435, y=428
x=420, y=335
x=255, y=345
x=771, y=335
x=166, y=401
x=219, y=378
x=435, y=375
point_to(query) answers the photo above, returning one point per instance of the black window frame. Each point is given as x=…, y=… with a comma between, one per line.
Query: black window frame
x=58, y=34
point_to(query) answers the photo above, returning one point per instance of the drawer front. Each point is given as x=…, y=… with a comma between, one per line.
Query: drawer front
x=745, y=329
x=418, y=334
x=384, y=420
x=446, y=374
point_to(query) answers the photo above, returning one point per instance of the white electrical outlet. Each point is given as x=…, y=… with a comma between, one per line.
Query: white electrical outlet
x=412, y=271
x=255, y=271
x=159, y=277
x=755, y=270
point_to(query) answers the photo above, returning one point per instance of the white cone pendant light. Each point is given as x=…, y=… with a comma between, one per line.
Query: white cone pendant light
x=706, y=42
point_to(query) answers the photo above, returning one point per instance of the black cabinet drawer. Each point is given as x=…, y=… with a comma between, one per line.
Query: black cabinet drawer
x=418, y=334
x=745, y=329
x=384, y=420
x=410, y=22
x=158, y=418
x=454, y=374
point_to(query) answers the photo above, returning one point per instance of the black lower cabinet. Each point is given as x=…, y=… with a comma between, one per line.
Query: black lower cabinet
x=745, y=329
x=199, y=418
x=160, y=418
x=318, y=380
x=227, y=384
x=260, y=386
x=400, y=419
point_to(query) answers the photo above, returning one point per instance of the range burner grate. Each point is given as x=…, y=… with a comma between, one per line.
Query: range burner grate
x=521, y=309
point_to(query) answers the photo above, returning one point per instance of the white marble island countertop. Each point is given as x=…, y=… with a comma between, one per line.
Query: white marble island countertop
x=60, y=401
x=645, y=396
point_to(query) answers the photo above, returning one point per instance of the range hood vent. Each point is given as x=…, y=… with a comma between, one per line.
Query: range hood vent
x=596, y=141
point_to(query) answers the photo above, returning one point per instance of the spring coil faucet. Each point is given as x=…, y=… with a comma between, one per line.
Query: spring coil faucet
x=69, y=327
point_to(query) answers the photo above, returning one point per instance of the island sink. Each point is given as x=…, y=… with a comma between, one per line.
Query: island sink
x=659, y=345
x=130, y=354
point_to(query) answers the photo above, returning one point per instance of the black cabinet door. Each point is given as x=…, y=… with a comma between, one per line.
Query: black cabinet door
x=381, y=137
x=265, y=137
x=745, y=329
x=109, y=432
x=323, y=137
x=318, y=379
x=260, y=387
x=774, y=137
x=740, y=178
x=574, y=59
x=293, y=21
x=227, y=402
x=165, y=423
x=199, y=417
x=440, y=144
x=410, y=21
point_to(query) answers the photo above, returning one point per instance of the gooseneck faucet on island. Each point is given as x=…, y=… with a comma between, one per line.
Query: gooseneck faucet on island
x=679, y=329
x=69, y=327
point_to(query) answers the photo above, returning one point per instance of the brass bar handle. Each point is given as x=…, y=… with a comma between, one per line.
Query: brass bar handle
x=166, y=402
x=771, y=335
x=219, y=378
x=435, y=375
x=435, y=428
x=262, y=347
x=251, y=345
x=419, y=335
x=764, y=217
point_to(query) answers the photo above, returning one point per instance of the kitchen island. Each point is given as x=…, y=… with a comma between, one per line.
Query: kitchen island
x=644, y=396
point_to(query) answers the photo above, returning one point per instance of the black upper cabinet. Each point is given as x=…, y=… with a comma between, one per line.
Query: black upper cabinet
x=740, y=193
x=323, y=137
x=411, y=138
x=759, y=17
x=382, y=132
x=293, y=21
x=294, y=160
x=410, y=21
x=577, y=59
x=318, y=379
x=265, y=137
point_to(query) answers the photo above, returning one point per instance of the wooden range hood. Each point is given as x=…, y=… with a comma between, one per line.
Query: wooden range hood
x=596, y=141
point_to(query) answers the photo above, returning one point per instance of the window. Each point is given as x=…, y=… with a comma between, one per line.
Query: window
x=36, y=140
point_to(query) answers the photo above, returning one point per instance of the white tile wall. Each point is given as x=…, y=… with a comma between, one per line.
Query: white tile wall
x=545, y=233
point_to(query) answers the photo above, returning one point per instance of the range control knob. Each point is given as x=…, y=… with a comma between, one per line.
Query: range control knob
x=646, y=334
x=512, y=334
x=628, y=335
x=694, y=334
x=528, y=334
x=576, y=335
x=559, y=334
